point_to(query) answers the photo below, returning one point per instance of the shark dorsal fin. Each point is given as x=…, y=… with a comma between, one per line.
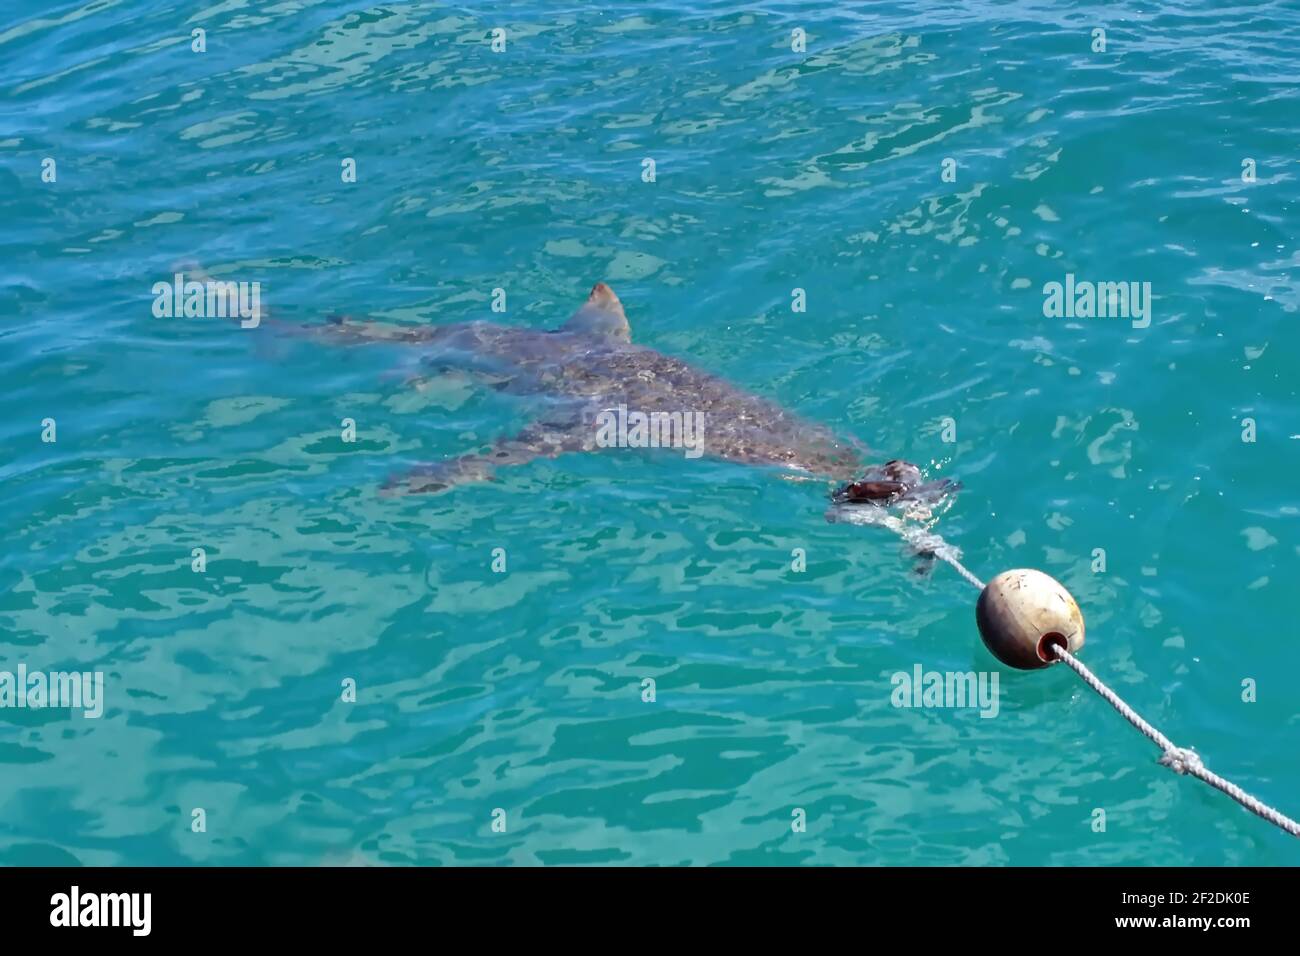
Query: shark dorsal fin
x=601, y=315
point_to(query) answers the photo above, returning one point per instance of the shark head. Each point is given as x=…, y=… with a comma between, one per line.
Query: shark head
x=601, y=315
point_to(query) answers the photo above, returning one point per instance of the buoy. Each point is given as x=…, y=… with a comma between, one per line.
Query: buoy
x=1021, y=612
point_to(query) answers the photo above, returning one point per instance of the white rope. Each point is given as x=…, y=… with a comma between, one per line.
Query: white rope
x=922, y=541
x=1181, y=760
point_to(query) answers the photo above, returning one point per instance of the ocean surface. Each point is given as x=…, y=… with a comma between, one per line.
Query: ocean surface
x=691, y=155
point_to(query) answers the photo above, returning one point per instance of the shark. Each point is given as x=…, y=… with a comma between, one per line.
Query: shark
x=589, y=379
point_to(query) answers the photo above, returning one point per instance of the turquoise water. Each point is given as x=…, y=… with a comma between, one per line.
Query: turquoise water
x=523, y=170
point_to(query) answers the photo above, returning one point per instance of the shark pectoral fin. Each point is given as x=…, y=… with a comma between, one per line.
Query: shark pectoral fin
x=438, y=476
x=229, y=297
x=542, y=440
x=353, y=330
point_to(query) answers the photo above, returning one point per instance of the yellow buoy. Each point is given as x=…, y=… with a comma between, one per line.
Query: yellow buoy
x=1021, y=612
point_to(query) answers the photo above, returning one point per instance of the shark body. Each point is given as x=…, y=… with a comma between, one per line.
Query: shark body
x=589, y=366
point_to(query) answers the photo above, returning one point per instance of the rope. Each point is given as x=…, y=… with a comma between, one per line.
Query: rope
x=1181, y=760
x=922, y=541
x=955, y=562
